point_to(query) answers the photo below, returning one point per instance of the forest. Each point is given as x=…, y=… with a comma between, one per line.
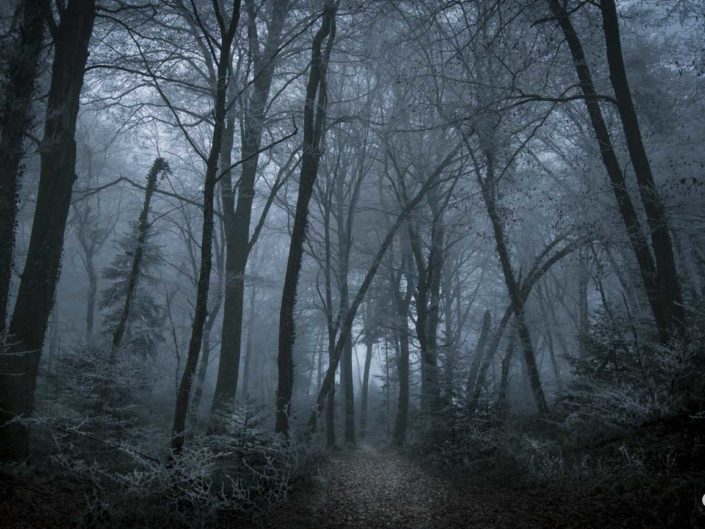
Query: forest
x=352, y=264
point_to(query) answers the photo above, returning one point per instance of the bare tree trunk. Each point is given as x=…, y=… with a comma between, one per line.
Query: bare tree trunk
x=15, y=121
x=19, y=366
x=344, y=231
x=236, y=217
x=402, y=418
x=502, y=401
x=91, y=296
x=479, y=352
x=201, y=309
x=346, y=372
x=532, y=278
x=647, y=267
x=427, y=297
x=208, y=328
x=666, y=279
x=314, y=119
x=583, y=308
x=246, y=374
x=365, y=387
x=330, y=414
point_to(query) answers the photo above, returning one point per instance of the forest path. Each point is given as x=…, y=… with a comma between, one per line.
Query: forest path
x=368, y=488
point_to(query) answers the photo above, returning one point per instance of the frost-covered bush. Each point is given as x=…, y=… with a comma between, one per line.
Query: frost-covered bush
x=244, y=469
x=624, y=379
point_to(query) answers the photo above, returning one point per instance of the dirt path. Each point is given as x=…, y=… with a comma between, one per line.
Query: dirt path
x=366, y=488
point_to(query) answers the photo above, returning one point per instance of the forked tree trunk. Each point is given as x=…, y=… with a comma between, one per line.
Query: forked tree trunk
x=15, y=121
x=514, y=289
x=19, y=365
x=236, y=216
x=344, y=232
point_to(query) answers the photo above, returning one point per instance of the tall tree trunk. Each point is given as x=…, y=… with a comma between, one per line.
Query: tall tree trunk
x=402, y=418
x=638, y=241
x=502, y=398
x=346, y=372
x=479, y=352
x=236, y=217
x=583, y=307
x=330, y=412
x=249, y=347
x=344, y=232
x=666, y=279
x=206, y=343
x=91, y=296
x=201, y=308
x=314, y=122
x=20, y=364
x=365, y=387
x=427, y=308
x=15, y=121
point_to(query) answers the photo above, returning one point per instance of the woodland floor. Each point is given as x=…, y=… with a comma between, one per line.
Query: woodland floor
x=368, y=488
x=372, y=488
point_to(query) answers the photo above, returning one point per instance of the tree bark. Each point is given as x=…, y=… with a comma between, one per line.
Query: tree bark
x=35, y=298
x=401, y=329
x=249, y=347
x=666, y=279
x=15, y=120
x=236, y=217
x=502, y=398
x=201, y=308
x=479, y=352
x=314, y=120
x=427, y=298
x=365, y=387
x=638, y=242
x=344, y=232
x=513, y=287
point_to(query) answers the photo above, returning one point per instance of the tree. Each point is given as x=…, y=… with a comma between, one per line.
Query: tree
x=227, y=28
x=237, y=214
x=314, y=131
x=15, y=122
x=20, y=363
x=658, y=272
x=134, y=253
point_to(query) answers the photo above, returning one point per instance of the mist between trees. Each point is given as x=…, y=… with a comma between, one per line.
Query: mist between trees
x=238, y=235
